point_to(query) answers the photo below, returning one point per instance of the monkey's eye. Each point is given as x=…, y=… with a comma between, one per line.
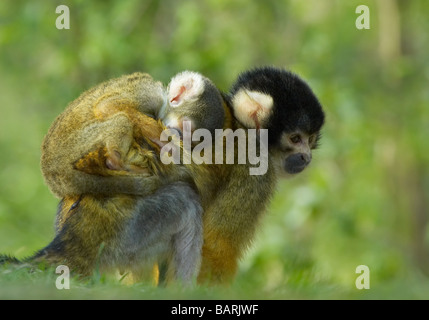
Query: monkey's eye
x=295, y=138
x=311, y=139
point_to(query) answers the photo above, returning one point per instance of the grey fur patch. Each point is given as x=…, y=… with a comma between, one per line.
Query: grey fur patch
x=167, y=225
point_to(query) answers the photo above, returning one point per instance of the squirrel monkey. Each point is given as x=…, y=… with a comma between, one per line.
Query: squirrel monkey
x=263, y=98
x=103, y=139
x=233, y=200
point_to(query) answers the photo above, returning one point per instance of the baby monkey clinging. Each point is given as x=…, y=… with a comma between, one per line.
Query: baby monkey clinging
x=109, y=138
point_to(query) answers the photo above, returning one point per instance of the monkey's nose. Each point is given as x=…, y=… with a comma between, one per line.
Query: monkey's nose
x=300, y=159
x=305, y=158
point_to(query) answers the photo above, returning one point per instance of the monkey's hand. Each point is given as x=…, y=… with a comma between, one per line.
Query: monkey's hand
x=109, y=162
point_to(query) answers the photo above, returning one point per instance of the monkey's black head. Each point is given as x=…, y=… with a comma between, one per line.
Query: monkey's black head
x=278, y=100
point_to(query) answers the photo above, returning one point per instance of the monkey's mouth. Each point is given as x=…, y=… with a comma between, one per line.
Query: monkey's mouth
x=296, y=163
x=294, y=169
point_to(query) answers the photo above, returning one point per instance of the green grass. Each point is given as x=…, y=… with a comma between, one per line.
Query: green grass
x=27, y=282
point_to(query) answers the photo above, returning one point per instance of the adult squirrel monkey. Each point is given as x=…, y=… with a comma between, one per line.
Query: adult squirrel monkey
x=262, y=98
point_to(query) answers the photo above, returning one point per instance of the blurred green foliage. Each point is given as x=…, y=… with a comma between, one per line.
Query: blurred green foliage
x=365, y=198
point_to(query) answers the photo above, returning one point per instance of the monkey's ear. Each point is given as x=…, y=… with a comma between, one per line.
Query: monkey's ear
x=252, y=108
x=186, y=86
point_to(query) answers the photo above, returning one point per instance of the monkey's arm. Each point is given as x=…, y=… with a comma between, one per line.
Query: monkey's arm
x=226, y=240
x=127, y=152
x=105, y=161
x=131, y=140
x=100, y=158
x=144, y=126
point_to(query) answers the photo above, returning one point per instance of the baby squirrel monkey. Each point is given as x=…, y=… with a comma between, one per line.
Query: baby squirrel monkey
x=109, y=138
x=95, y=156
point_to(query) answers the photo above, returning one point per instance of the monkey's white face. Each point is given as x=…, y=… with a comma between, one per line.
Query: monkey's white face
x=293, y=154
